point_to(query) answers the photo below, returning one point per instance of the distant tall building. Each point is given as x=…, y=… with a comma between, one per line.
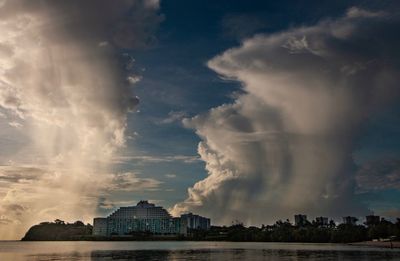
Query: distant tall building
x=100, y=226
x=144, y=217
x=300, y=220
x=350, y=220
x=372, y=220
x=196, y=221
x=322, y=221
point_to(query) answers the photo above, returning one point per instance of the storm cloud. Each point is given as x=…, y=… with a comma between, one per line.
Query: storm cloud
x=284, y=146
x=64, y=83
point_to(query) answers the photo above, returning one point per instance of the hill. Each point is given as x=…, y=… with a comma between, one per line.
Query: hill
x=58, y=230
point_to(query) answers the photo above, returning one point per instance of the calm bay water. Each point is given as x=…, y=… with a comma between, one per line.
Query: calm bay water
x=21, y=251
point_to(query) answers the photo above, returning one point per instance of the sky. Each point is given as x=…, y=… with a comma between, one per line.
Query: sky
x=238, y=111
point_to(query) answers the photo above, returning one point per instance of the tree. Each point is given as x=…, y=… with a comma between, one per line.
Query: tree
x=79, y=223
x=59, y=222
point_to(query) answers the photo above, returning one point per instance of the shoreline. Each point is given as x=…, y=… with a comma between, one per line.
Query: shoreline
x=376, y=244
x=381, y=244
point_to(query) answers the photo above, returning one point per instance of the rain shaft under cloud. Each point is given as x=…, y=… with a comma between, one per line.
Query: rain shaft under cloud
x=285, y=145
x=64, y=86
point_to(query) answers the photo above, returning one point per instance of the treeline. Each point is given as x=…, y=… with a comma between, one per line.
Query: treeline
x=284, y=231
x=58, y=230
x=281, y=231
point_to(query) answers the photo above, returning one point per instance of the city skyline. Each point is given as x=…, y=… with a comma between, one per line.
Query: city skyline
x=232, y=111
x=145, y=221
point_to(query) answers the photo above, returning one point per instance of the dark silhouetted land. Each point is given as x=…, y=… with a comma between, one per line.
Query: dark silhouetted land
x=58, y=231
x=281, y=231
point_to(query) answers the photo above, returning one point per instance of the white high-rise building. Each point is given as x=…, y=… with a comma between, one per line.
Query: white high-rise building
x=146, y=217
x=143, y=210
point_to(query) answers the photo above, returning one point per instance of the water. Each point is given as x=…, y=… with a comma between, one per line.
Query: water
x=153, y=250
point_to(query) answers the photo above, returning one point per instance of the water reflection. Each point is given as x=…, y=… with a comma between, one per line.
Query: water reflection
x=224, y=251
x=222, y=254
x=240, y=254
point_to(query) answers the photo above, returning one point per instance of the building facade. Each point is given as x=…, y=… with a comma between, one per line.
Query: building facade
x=321, y=221
x=100, y=226
x=196, y=221
x=146, y=217
x=350, y=220
x=372, y=220
x=300, y=220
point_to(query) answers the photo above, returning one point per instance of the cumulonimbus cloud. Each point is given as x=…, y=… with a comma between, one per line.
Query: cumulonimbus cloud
x=64, y=84
x=285, y=145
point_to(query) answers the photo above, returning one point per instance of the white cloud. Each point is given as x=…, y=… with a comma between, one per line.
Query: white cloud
x=31, y=194
x=15, y=124
x=174, y=116
x=356, y=12
x=156, y=159
x=105, y=203
x=170, y=176
x=284, y=146
x=129, y=181
x=296, y=45
x=132, y=79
